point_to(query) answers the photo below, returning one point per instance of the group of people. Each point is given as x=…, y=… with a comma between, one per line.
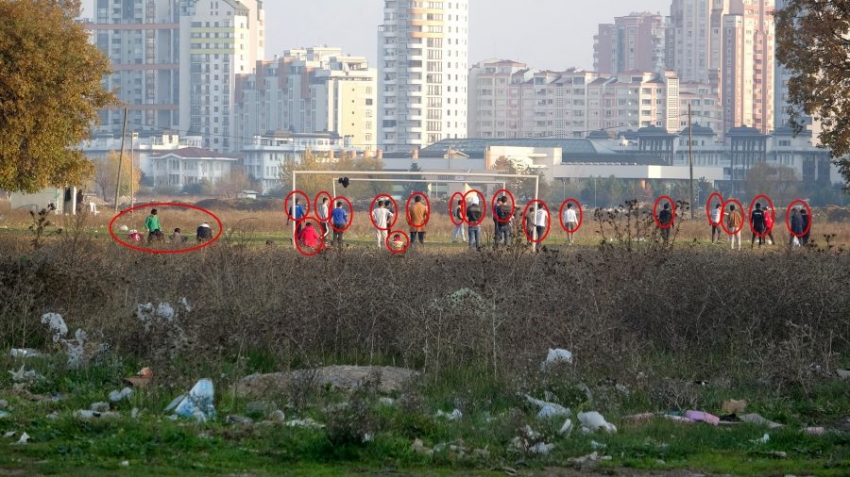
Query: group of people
x=762, y=221
x=153, y=227
x=307, y=234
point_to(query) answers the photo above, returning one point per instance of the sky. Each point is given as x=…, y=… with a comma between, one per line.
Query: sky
x=545, y=34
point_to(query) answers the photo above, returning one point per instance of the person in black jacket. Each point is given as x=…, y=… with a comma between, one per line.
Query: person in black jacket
x=797, y=228
x=759, y=227
x=203, y=233
x=804, y=240
x=665, y=218
x=473, y=217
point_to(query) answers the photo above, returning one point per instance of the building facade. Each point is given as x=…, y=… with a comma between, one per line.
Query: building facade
x=191, y=165
x=309, y=90
x=422, y=72
x=635, y=42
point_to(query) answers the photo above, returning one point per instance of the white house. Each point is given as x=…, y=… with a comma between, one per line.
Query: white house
x=191, y=165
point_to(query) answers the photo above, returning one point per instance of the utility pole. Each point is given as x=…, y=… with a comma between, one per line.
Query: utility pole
x=691, y=157
x=132, y=166
x=120, y=159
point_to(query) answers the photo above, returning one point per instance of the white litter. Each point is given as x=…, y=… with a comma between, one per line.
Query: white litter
x=453, y=416
x=557, y=355
x=99, y=407
x=541, y=448
x=24, y=353
x=597, y=445
x=593, y=421
x=307, y=423
x=843, y=373
x=548, y=409
x=116, y=396
x=56, y=325
x=763, y=440
x=26, y=375
x=567, y=428
x=24, y=439
x=9, y=435
x=199, y=403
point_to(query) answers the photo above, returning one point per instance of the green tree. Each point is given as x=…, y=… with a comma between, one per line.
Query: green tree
x=780, y=183
x=50, y=91
x=812, y=42
x=410, y=187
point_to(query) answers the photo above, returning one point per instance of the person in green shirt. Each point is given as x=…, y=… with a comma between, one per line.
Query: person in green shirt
x=153, y=226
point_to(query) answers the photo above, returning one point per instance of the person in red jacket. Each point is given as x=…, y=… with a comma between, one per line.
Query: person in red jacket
x=768, y=225
x=309, y=236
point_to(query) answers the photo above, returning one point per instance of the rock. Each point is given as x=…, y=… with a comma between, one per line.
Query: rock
x=541, y=448
x=86, y=414
x=235, y=419
x=100, y=407
x=116, y=396
x=344, y=378
x=277, y=416
x=419, y=447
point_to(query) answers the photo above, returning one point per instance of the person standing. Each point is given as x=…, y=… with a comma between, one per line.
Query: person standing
x=571, y=221
x=807, y=229
x=735, y=224
x=504, y=218
x=418, y=217
x=459, y=224
x=339, y=219
x=665, y=219
x=153, y=226
x=541, y=221
x=768, y=225
x=297, y=211
x=757, y=219
x=797, y=228
x=324, y=215
x=716, y=216
x=382, y=218
x=529, y=225
x=473, y=217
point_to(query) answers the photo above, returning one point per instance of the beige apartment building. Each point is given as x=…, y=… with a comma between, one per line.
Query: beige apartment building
x=317, y=89
x=635, y=42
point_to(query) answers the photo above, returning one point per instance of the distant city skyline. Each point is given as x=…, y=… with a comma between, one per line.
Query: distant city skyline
x=550, y=34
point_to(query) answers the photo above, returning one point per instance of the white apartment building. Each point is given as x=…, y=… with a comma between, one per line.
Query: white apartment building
x=141, y=146
x=309, y=90
x=191, y=165
x=695, y=39
x=509, y=100
x=422, y=72
x=264, y=158
x=220, y=39
x=706, y=108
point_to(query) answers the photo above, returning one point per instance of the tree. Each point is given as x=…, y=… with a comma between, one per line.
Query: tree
x=777, y=182
x=234, y=183
x=813, y=43
x=50, y=91
x=310, y=184
x=106, y=175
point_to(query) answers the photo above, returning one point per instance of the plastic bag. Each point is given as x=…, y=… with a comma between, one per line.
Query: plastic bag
x=199, y=402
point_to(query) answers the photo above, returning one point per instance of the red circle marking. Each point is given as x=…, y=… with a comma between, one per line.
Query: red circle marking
x=452, y=209
x=427, y=207
x=406, y=240
x=316, y=201
x=750, y=214
x=372, y=207
x=788, y=217
x=165, y=204
x=350, y=214
x=723, y=222
x=493, y=205
x=708, y=208
x=548, y=222
x=482, y=201
x=321, y=239
x=579, y=213
x=655, y=211
x=286, y=209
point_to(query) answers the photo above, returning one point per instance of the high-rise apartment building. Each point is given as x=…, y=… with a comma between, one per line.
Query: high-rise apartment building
x=422, y=72
x=509, y=100
x=780, y=91
x=221, y=39
x=310, y=90
x=695, y=36
x=632, y=43
x=749, y=67
x=142, y=41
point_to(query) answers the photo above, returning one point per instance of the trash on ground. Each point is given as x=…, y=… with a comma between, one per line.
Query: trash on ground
x=754, y=418
x=548, y=409
x=541, y=448
x=88, y=414
x=4, y=414
x=555, y=356
x=9, y=435
x=141, y=379
x=26, y=375
x=24, y=353
x=53, y=416
x=641, y=417
x=733, y=406
x=419, y=447
x=778, y=454
x=236, y=419
x=702, y=416
x=762, y=440
x=815, y=431
x=843, y=373
x=277, y=416
x=592, y=421
x=125, y=463
x=677, y=418
x=386, y=401
x=597, y=445
x=76, y=349
x=3, y=404
x=56, y=325
x=453, y=416
x=116, y=396
x=567, y=428
x=134, y=413
x=100, y=407
x=24, y=439
x=199, y=403
x=307, y=423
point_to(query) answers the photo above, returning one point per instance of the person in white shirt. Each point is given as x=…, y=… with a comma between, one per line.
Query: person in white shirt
x=382, y=218
x=323, y=218
x=571, y=221
x=716, y=216
x=541, y=220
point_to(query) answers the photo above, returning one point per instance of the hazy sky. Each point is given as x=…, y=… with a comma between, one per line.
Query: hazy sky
x=552, y=34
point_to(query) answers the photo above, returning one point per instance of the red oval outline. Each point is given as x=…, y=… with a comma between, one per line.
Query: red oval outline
x=452, y=212
x=708, y=208
x=655, y=211
x=750, y=215
x=483, y=203
x=166, y=204
x=316, y=202
x=570, y=200
x=493, y=205
x=387, y=242
x=372, y=207
x=321, y=239
x=548, y=222
x=350, y=215
x=286, y=209
x=788, y=217
x=407, y=210
x=723, y=222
